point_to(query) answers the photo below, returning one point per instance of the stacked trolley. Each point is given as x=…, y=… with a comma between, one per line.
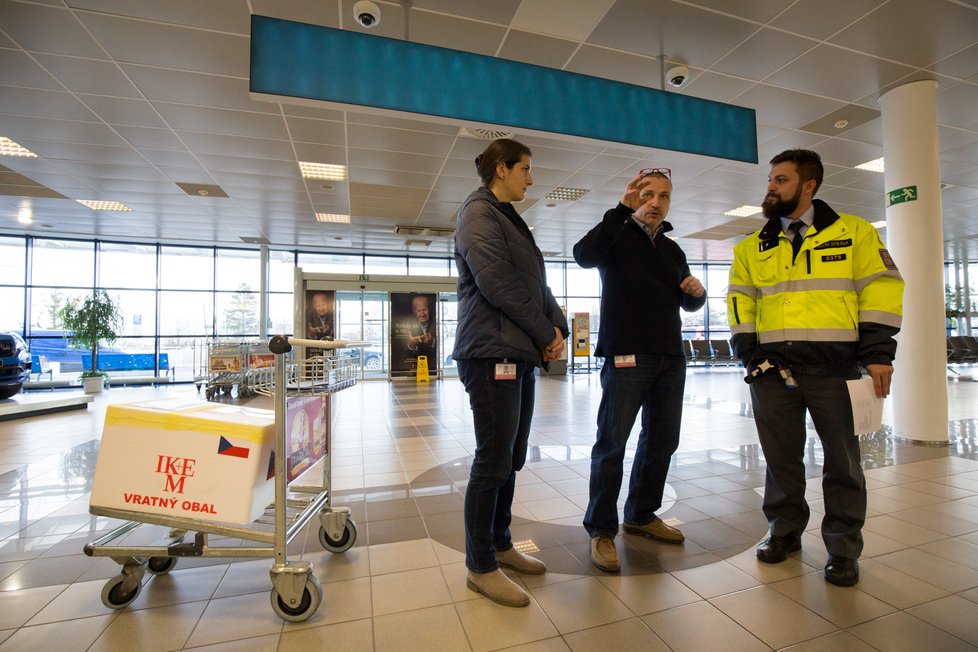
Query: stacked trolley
x=235, y=364
x=294, y=385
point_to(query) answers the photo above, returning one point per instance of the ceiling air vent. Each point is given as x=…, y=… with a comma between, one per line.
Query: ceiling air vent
x=415, y=242
x=429, y=231
x=254, y=240
x=484, y=134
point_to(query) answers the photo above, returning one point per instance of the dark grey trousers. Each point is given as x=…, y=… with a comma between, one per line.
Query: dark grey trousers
x=779, y=414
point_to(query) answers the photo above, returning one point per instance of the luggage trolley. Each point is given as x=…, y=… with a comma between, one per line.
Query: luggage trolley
x=296, y=593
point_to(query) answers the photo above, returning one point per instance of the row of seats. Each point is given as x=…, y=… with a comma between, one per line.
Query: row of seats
x=962, y=349
x=709, y=352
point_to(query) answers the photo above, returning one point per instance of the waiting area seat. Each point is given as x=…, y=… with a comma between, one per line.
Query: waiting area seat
x=962, y=349
x=709, y=352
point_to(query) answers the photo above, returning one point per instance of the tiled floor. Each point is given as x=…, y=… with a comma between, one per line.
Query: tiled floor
x=400, y=462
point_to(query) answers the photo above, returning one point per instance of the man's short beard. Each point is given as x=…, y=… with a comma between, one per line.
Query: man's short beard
x=780, y=207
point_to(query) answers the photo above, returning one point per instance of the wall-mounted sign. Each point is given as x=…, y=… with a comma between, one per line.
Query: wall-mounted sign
x=901, y=195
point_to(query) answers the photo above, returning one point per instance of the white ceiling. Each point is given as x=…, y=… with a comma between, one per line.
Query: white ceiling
x=123, y=100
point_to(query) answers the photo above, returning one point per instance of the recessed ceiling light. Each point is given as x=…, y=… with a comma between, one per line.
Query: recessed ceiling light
x=876, y=165
x=841, y=124
x=879, y=225
x=325, y=171
x=10, y=148
x=333, y=217
x=566, y=194
x=97, y=205
x=327, y=186
x=551, y=205
x=744, y=211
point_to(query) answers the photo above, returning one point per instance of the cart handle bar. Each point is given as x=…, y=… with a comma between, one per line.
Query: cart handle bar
x=282, y=344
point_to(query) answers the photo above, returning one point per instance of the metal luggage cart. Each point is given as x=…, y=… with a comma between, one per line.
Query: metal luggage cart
x=296, y=593
x=231, y=364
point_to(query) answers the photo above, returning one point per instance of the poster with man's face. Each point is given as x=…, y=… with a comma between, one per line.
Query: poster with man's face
x=414, y=330
x=320, y=314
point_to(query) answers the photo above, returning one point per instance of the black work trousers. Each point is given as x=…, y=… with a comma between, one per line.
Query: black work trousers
x=779, y=413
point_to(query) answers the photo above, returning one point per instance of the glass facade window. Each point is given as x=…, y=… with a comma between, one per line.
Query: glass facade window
x=281, y=271
x=418, y=266
x=63, y=263
x=389, y=265
x=582, y=282
x=331, y=263
x=555, y=278
x=186, y=314
x=138, y=309
x=237, y=312
x=12, y=315
x=281, y=313
x=186, y=268
x=13, y=261
x=237, y=268
x=46, y=303
x=126, y=266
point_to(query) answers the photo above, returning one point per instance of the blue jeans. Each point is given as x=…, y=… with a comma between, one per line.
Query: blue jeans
x=655, y=384
x=501, y=413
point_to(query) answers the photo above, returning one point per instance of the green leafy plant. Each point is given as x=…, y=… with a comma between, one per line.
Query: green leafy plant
x=91, y=321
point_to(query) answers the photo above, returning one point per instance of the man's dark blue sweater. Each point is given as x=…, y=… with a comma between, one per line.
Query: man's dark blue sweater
x=640, y=277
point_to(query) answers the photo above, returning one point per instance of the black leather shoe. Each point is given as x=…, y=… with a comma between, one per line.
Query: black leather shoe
x=775, y=549
x=841, y=571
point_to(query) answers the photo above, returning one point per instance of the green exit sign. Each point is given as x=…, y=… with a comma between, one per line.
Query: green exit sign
x=901, y=195
x=363, y=277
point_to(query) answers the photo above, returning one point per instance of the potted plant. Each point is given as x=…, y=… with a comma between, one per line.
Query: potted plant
x=89, y=322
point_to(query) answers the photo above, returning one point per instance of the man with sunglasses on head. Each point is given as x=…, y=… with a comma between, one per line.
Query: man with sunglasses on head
x=645, y=280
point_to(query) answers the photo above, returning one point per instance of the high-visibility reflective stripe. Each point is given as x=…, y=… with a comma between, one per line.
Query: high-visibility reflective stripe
x=836, y=284
x=740, y=329
x=863, y=282
x=749, y=290
x=808, y=335
x=880, y=317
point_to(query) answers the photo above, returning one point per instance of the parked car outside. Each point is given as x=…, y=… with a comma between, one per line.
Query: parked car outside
x=15, y=364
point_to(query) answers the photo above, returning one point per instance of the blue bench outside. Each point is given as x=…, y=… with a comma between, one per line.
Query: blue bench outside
x=126, y=362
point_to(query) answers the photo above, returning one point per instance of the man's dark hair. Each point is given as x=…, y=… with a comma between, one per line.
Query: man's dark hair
x=807, y=162
x=504, y=150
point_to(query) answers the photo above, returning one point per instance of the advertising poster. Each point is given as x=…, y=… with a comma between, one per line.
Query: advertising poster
x=306, y=433
x=224, y=363
x=582, y=333
x=261, y=360
x=320, y=314
x=414, y=331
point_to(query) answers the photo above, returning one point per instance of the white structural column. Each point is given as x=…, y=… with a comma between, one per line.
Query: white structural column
x=914, y=235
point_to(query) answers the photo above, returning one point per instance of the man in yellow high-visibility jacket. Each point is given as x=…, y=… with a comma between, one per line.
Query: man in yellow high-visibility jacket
x=812, y=296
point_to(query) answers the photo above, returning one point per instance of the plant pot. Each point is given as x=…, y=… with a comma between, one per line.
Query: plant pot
x=93, y=384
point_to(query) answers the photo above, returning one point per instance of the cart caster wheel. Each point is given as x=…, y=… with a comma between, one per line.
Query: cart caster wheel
x=198, y=386
x=344, y=543
x=161, y=565
x=113, y=596
x=312, y=596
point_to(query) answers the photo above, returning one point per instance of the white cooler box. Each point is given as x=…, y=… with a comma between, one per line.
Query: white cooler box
x=201, y=461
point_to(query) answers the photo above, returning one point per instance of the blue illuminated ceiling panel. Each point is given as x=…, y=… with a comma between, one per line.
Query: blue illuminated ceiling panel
x=312, y=62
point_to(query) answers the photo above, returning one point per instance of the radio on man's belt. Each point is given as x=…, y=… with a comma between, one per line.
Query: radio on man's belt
x=766, y=365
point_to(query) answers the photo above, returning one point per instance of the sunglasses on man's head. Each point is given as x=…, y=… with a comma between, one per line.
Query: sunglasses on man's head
x=663, y=171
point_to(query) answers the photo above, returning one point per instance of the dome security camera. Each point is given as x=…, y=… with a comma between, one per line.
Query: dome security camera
x=677, y=76
x=367, y=14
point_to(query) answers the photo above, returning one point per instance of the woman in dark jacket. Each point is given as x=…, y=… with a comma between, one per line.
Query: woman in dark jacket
x=508, y=324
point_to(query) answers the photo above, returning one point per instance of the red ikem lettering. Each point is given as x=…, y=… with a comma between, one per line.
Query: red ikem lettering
x=174, y=485
x=175, y=465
